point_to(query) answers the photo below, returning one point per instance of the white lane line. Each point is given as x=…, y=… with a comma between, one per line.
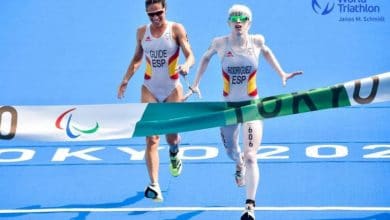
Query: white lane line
x=167, y=209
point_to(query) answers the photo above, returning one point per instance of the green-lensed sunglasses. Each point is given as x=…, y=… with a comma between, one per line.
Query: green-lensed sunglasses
x=238, y=18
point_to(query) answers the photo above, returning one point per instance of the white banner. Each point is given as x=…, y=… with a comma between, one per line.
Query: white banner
x=120, y=121
x=365, y=90
x=73, y=123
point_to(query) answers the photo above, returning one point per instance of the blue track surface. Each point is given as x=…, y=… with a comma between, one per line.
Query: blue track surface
x=327, y=165
x=324, y=179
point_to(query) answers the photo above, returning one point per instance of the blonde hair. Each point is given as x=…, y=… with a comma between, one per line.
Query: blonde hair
x=238, y=9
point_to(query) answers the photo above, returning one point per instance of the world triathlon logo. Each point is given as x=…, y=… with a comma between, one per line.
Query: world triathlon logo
x=71, y=130
x=324, y=8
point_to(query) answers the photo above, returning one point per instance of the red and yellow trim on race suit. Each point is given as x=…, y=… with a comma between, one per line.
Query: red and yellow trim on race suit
x=252, y=88
x=172, y=64
x=148, y=70
x=226, y=83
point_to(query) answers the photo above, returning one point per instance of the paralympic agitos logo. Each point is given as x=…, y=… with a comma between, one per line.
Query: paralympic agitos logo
x=71, y=130
x=324, y=8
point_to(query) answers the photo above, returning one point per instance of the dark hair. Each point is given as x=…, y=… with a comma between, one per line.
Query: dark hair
x=149, y=2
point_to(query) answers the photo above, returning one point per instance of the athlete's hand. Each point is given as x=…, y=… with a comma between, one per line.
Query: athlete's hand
x=288, y=76
x=191, y=91
x=122, y=89
x=183, y=69
x=195, y=89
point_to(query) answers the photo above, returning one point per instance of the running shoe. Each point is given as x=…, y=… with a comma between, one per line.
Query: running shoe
x=154, y=192
x=249, y=213
x=240, y=175
x=175, y=167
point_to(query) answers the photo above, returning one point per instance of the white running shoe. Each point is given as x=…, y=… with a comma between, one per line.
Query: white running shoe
x=249, y=213
x=154, y=192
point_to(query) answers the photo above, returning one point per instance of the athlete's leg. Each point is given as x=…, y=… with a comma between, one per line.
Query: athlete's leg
x=230, y=136
x=153, y=191
x=151, y=154
x=152, y=158
x=252, y=136
x=173, y=140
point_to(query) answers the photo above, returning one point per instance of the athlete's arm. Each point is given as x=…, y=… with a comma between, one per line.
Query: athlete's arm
x=271, y=59
x=182, y=39
x=204, y=62
x=134, y=64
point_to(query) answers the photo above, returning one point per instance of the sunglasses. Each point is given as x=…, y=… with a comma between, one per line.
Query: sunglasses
x=238, y=18
x=158, y=13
